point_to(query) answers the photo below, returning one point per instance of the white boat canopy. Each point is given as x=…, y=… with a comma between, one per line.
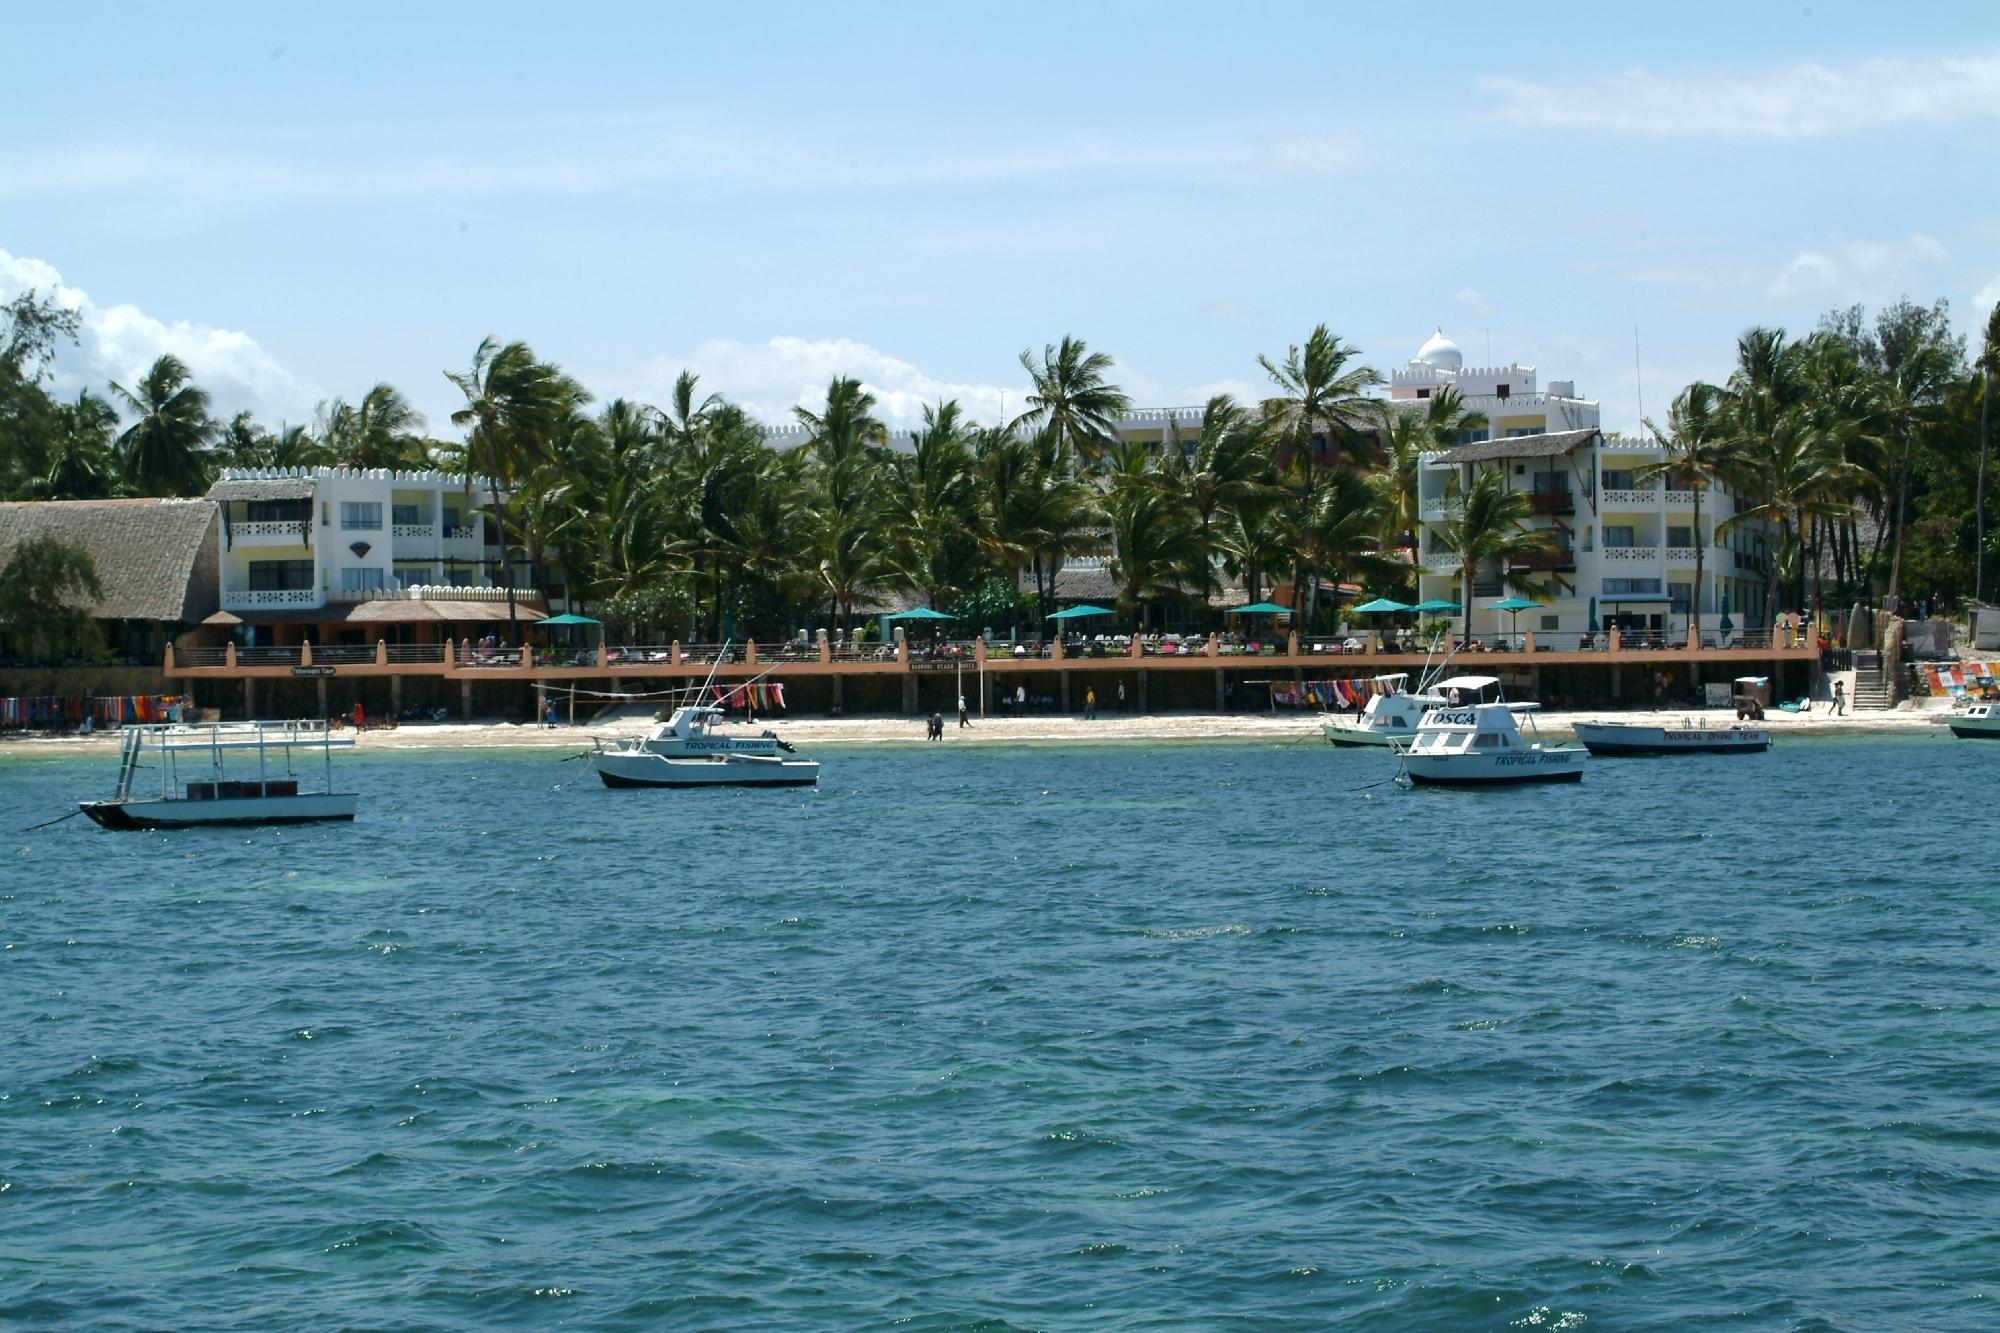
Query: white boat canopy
x=1467, y=683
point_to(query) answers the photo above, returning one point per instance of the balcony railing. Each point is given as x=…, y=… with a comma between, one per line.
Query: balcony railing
x=201, y=657
x=412, y=531
x=246, y=599
x=1551, y=502
x=1630, y=555
x=1646, y=496
x=410, y=654
x=270, y=534
x=343, y=654
x=1543, y=560
x=267, y=657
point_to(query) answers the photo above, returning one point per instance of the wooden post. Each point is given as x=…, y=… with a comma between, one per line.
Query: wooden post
x=465, y=699
x=1065, y=691
x=306, y=653
x=1144, y=675
x=229, y=654
x=749, y=652
x=1221, y=692
x=396, y=695
x=381, y=653
x=249, y=698
x=167, y=665
x=825, y=649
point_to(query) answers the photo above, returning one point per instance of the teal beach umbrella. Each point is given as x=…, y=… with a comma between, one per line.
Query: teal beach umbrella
x=1514, y=606
x=1380, y=606
x=1259, y=609
x=1593, y=615
x=1078, y=612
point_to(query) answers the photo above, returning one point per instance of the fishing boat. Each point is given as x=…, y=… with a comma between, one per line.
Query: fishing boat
x=1392, y=713
x=1980, y=722
x=1481, y=746
x=1690, y=737
x=224, y=773
x=683, y=752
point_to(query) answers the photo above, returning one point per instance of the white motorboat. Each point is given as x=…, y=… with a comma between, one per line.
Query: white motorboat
x=1980, y=722
x=1391, y=714
x=205, y=776
x=683, y=752
x=1690, y=737
x=1482, y=745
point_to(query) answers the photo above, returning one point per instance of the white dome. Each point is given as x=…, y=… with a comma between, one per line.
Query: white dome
x=1441, y=352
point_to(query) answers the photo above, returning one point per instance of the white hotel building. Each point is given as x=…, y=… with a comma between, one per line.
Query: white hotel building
x=302, y=540
x=1624, y=547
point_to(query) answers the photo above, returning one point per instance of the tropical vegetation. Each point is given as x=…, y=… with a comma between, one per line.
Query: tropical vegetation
x=1863, y=445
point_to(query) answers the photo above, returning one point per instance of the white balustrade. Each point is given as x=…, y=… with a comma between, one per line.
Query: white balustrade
x=252, y=599
x=1629, y=554
x=1646, y=498
x=269, y=534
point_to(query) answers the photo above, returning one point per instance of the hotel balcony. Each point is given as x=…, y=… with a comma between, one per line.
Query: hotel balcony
x=1647, y=497
x=271, y=599
x=1551, y=502
x=270, y=534
x=1630, y=555
x=1543, y=561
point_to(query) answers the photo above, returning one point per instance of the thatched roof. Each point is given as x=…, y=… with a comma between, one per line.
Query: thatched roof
x=262, y=488
x=1552, y=445
x=156, y=559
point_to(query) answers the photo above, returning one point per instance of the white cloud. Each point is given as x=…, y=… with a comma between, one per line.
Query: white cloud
x=1794, y=102
x=770, y=378
x=587, y=156
x=1472, y=301
x=1865, y=271
x=116, y=344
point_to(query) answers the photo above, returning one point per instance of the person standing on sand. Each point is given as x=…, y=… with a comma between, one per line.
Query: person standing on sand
x=1090, y=704
x=1121, y=696
x=1839, y=697
x=1021, y=700
x=964, y=720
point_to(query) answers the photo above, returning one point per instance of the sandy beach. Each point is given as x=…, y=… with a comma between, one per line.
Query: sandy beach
x=1280, y=729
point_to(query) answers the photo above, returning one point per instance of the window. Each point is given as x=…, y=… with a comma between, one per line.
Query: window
x=278, y=511
x=1680, y=537
x=1618, y=479
x=1631, y=587
x=1471, y=436
x=411, y=576
x=1682, y=593
x=281, y=575
x=1552, y=623
x=1551, y=483
x=360, y=514
x=406, y=514
x=1503, y=390
x=1423, y=393
x=362, y=579
x=1516, y=432
x=1617, y=535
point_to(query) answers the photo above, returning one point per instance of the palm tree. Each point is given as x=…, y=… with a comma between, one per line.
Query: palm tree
x=512, y=401
x=82, y=464
x=1697, y=447
x=1321, y=402
x=1485, y=525
x=1409, y=434
x=1987, y=363
x=1341, y=531
x=1914, y=386
x=930, y=508
x=381, y=431
x=846, y=443
x=1228, y=467
x=1155, y=539
x=1072, y=398
x=165, y=452
x=1798, y=472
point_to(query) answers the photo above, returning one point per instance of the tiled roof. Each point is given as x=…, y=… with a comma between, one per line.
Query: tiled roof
x=262, y=488
x=156, y=559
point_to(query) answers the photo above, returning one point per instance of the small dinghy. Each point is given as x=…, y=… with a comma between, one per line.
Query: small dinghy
x=225, y=773
x=682, y=752
x=1482, y=746
x=1690, y=737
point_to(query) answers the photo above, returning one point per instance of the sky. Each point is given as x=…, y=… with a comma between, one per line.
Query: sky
x=302, y=201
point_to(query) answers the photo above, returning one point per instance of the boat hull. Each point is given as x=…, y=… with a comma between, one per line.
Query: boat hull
x=1338, y=734
x=321, y=808
x=1482, y=770
x=1616, y=738
x=650, y=770
x=1983, y=729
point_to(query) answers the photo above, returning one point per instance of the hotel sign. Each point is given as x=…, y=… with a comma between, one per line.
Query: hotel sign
x=312, y=671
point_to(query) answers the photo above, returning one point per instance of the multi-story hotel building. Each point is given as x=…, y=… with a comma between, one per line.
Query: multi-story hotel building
x=1624, y=546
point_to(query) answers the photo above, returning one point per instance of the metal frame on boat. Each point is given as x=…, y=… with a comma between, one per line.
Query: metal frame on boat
x=196, y=789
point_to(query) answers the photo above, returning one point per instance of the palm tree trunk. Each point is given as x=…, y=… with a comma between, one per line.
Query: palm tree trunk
x=1694, y=602
x=1891, y=601
x=1979, y=491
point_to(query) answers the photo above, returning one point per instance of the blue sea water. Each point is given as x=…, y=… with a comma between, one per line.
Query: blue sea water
x=1135, y=1036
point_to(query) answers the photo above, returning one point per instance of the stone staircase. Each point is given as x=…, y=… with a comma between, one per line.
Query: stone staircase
x=1872, y=687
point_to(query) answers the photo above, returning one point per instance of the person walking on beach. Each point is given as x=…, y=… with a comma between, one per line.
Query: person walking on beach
x=1839, y=697
x=1121, y=696
x=1021, y=700
x=934, y=728
x=1090, y=704
x=963, y=720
